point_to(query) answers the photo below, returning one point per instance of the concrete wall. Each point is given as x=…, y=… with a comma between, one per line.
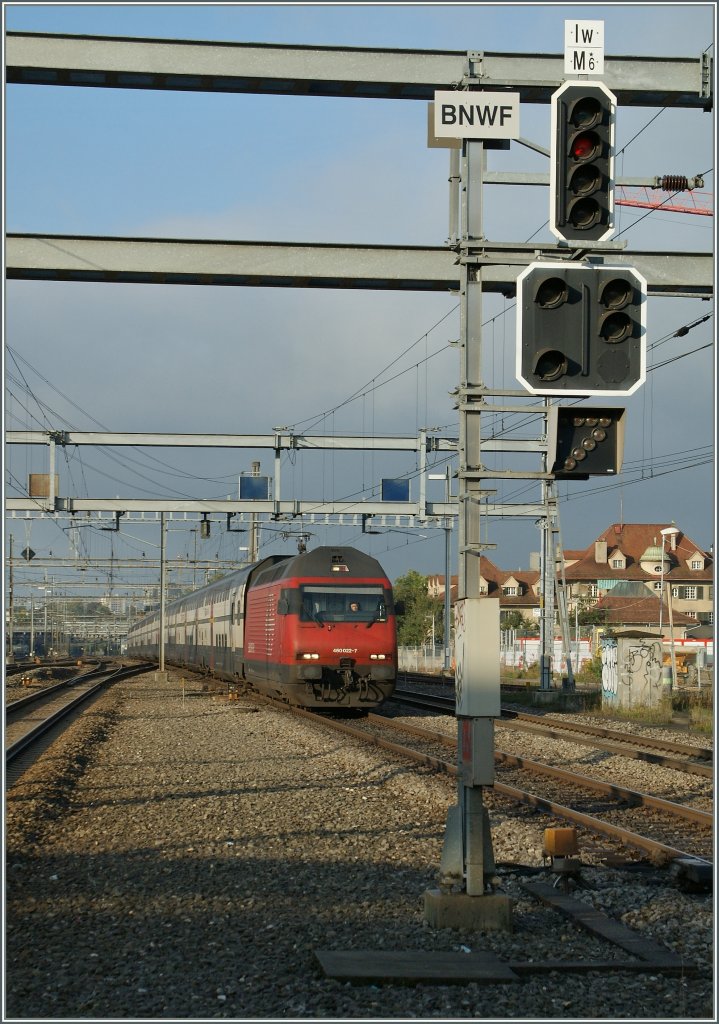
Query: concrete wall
x=631, y=671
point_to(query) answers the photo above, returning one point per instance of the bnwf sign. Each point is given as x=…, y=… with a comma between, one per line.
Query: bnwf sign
x=476, y=115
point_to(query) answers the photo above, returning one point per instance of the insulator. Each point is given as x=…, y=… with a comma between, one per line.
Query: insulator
x=675, y=183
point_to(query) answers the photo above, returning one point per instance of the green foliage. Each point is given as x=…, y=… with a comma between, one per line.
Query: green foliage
x=592, y=617
x=512, y=620
x=591, y=671
x=515, y=620
x=414, y=624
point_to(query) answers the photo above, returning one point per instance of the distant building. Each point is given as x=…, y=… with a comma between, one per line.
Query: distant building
x=634, y=553
x=621, y=574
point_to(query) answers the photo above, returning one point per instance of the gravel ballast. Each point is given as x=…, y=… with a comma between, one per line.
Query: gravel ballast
x=182, y=855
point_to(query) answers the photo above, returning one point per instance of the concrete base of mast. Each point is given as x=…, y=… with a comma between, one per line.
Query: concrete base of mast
x=488, y=913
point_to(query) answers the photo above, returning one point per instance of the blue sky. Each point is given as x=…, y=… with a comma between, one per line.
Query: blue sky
x=122, y=162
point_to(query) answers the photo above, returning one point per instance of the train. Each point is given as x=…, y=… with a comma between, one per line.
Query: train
x=316, y=629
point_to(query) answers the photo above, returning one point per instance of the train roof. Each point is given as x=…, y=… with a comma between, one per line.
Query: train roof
x=341, y=562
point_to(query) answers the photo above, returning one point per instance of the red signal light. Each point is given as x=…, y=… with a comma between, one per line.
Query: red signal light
x=585, y=146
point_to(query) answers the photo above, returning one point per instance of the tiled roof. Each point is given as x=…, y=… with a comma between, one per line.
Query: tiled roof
x=634, y=610
x=632, y=540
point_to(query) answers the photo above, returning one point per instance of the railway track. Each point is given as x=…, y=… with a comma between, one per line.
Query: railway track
x=37, y=716
x=685, y=757
x=612, y=819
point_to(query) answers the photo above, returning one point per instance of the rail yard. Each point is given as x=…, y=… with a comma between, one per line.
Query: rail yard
x=178, y=851
x=232, y=801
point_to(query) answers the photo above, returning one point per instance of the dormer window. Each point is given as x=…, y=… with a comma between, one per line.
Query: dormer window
x=617, y=563
x=697, y=563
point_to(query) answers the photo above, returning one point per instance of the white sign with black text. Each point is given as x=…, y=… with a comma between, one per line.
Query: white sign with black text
x=476, y=115
x=584, y=47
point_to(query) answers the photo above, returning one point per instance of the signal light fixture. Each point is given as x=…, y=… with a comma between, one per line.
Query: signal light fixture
x=582, y=164
x=584, y=442
x=581, y=329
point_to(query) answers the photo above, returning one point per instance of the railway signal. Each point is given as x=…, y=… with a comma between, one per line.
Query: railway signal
x=582, y=163
x=584, y=442
x=581, y=329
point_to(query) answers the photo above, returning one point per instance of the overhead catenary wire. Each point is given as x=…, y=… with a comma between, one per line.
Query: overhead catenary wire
x=377, y=385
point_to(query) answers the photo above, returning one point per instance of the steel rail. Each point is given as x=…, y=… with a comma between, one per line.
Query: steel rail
x=622, y=749
x=658, y=851
x=553, y=728
x=632, y=796
x=15, y=749
x=703, y=753
x=33, y=698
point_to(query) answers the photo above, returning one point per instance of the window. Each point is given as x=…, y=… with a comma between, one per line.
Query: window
x=697, y=564
x=509, y=591
x=617, y=563
x=593, y=590
x=356, y=603
x=690, y=593
x=658, y=585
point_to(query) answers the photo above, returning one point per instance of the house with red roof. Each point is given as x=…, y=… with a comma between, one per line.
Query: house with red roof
x=630, y=573
x=667, y=567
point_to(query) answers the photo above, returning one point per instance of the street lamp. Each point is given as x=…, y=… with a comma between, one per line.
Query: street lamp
x=670, y=531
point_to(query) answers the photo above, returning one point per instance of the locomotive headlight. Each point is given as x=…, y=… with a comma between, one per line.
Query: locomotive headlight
x=308, y=656
x=378, y=657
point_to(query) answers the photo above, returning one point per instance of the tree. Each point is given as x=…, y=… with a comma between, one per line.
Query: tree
x=414, y=624
x=512, y=620
x=515, y=620
x=592, y=617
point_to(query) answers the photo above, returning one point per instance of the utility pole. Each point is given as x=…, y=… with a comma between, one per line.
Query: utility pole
x=11, y=611
x=254, y=539
x=447, y=579
x=546, y=619
x=163, y=536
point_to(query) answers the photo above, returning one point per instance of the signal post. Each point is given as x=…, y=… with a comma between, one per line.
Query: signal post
x=464, y=898
x=581, y=326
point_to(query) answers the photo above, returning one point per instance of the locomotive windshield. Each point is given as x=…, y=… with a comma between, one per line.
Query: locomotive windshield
x=343, y=604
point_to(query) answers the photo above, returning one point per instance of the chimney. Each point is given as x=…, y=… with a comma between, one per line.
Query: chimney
x=600, y=551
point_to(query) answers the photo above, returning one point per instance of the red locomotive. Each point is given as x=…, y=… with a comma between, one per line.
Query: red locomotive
x=316, y=629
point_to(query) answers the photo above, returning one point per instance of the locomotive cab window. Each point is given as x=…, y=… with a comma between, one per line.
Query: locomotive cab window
x=342, y=604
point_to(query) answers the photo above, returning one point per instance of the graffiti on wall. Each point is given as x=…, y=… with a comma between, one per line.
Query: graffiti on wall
x=610, y=675
x=631, y=671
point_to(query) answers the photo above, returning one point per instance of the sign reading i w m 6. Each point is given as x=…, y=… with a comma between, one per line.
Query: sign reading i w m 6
x=476, y=115
x=583, y=47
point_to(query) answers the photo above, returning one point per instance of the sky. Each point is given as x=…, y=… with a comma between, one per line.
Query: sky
x=184, y=359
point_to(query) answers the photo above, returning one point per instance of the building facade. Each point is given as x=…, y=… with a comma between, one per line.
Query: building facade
x=632, y=575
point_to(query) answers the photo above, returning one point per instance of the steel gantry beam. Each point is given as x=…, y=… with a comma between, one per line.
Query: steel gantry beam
x=229, y=67
x=301, y=265
x=281, y=440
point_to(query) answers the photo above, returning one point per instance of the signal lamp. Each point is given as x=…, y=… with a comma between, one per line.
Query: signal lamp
x=580, y=329
x=582, y=162
x=578, y=450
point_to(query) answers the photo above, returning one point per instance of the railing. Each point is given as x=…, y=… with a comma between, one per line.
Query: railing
x=515, y=652
x=421, y=659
